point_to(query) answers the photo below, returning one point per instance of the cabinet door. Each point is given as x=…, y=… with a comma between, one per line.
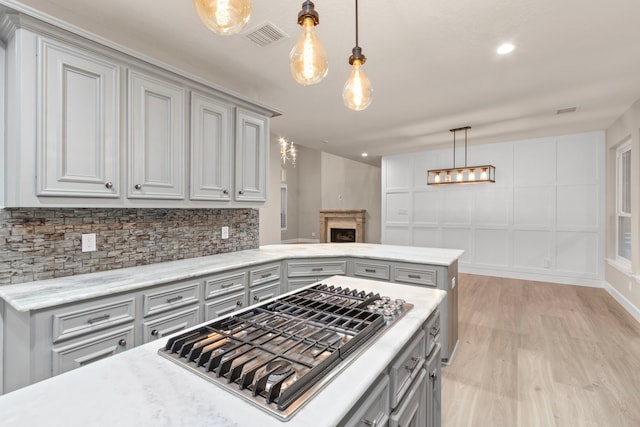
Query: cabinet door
x=412, y=411
x=211, y=148
x=224, y=305
x=263, y=293
x=433, y=388
x=160, y=327
x=252, y=145
x=91, y=350
x=156, y=138
x=374, y=411
x=78, y=126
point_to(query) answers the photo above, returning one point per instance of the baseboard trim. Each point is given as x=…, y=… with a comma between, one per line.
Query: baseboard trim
x=300, y=241
x=563, y=280
x=623, y=301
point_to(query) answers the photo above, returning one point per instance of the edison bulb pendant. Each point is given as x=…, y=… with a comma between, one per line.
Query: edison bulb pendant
x=357, y=93
x=224, y=17
x=308, y=59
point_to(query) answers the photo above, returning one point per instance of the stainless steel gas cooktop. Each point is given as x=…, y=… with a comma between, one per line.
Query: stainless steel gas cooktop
x=277, y=355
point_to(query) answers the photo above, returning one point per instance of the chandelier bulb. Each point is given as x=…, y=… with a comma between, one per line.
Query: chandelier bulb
x=224, y=17
x=308, y=61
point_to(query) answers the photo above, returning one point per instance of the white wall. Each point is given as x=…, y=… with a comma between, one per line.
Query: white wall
x=269, y=214
x=622, y=283
x=543, y=218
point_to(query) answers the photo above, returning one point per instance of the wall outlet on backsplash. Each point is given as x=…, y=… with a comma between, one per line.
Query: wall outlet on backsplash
x=89, y=242
x=225, y=232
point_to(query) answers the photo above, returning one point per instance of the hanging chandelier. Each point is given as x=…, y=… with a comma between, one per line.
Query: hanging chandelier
x=308, y=60
x=357, y=93
x=224, y=17
x=287, y=152
x=461, y=175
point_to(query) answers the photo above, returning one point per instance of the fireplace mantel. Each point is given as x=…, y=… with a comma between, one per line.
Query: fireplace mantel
x=342, y=218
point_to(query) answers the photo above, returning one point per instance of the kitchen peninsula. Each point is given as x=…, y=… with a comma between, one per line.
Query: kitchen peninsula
x=54, y=326
x=141, y=388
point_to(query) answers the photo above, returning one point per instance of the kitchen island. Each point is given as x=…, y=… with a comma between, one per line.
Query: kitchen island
x=141, y=388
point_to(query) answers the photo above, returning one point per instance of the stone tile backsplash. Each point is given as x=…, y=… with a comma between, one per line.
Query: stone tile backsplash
x=37, y=244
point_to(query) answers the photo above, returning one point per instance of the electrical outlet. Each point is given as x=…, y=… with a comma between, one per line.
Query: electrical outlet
x=225, y=232
x=89, y=242
x=313, y=234
x=453, y=283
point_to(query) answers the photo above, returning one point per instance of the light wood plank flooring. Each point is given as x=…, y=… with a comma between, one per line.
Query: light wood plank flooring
x=541, y=354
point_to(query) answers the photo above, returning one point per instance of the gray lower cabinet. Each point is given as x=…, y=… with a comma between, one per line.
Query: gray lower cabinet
x=225, y=304
x=411, y=412
x=374, y=410
x=305, y=272
x=264, y=283
x=433, y=388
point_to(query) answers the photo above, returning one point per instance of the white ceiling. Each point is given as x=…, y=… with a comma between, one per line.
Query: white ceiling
x=432, y=64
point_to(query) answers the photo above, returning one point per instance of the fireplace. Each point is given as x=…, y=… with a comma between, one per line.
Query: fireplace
x=343, y=235
x=342, y=225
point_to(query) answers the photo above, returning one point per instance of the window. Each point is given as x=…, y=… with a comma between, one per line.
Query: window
x=623, y=202
x=283, y=207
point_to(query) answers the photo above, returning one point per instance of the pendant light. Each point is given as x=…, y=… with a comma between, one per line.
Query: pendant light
x=224, y=17
x=357, y=93
x=464, y=175
x=308, y=58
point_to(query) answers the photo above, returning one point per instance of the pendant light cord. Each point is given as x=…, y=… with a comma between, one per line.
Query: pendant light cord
x=357, y=23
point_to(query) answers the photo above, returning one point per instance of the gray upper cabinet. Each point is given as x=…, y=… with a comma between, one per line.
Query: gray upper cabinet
x=76, y=110
x=211, y=148
x=252, y=145
x=78, y=134
x=157, y=115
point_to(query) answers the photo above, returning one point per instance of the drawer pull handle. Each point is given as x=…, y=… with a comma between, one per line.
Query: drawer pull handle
x=264, y=276
x=174, y=299
x=373, y=423
x=109, y=185
x=155, y=333
x=98, y=319
x=434, y=375
x=317, y=269
x=122, y=343
x=370, y=270
x=434, y=332
x=414, y=276
x=227, y=285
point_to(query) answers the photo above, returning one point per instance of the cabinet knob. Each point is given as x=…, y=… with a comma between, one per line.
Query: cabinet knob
x=138, y=186
x=256, y=298
x=433, y=375
x=373, y=423
x=225, y=192
x=239, y=303
x=155, y=332
x=122, y=343
x=241, y=192
x=109, y=185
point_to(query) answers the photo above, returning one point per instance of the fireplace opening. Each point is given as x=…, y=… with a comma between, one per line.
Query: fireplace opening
x=343, y=235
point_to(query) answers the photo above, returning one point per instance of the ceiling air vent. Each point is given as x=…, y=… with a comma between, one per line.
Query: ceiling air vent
x=566, y=110
x=266, y=34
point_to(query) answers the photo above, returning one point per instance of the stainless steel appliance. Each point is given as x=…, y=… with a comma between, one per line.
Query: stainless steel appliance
x=278, y=354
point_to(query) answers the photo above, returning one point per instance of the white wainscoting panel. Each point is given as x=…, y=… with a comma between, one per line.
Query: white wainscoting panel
x=532, y=248
x=578, y=206
x=534, y=206
x=491, y=247
x=426, y=205
x=543, y=217
x=577, y=252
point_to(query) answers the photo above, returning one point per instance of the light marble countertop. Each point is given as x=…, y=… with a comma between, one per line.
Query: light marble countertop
x=49, y=293
x=141, y=388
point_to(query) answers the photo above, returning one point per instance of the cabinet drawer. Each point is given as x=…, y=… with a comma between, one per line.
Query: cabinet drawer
x=167, y=325
x=406, y=368
x=374, y=411
x=432, y=332
x=264, y=275
x=95, y=317
x=169, y=298
x=224, y=305
x=293, y=284
x=224, y=284
x=412, y=410
x=374, y=271
x=316, y=268
x=257, y=295
x=415, y=275
x=91, y=350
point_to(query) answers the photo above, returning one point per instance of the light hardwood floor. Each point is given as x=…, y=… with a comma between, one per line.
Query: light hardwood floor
x=540, y=354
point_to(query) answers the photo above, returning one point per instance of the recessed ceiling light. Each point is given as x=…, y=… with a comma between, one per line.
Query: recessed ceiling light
x=364, y=154
x=505, y=49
